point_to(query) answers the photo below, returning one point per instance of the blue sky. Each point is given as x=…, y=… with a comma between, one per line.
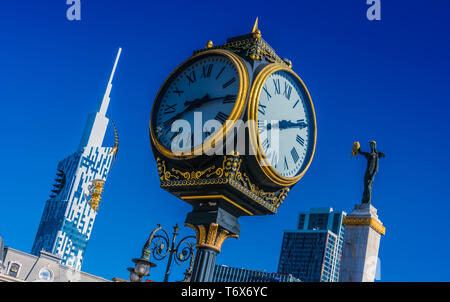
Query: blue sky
x=385, y=80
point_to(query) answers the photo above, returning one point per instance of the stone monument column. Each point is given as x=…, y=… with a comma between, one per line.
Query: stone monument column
x=363, y=231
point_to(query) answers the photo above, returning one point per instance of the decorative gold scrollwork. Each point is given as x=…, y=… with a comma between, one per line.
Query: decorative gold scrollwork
x=253, y=47
x=193, y=174
x=210, y=236
x=228, y=173
x=162, y=171
x=95, y=191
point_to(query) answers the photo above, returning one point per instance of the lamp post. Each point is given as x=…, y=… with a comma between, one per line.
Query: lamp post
x=141, y=269
x=160, y=246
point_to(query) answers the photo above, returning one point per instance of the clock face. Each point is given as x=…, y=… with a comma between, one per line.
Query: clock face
x=286, y=123
x=203, y=89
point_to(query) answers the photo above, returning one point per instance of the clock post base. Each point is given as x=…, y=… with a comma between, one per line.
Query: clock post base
x=212, y=228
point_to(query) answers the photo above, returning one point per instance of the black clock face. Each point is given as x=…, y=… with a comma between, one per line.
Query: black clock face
x=201, y=92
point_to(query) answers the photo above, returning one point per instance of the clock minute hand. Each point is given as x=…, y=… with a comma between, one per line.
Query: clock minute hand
x=178, y=115
x=207, y=99
x=195, y=104
x=190, y=106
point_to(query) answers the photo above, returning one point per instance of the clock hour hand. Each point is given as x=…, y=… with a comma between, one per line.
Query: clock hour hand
x=286, y=124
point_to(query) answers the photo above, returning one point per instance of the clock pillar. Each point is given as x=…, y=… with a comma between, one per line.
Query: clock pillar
x=211, y=227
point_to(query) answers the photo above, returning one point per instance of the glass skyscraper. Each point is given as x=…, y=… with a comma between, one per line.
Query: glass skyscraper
x=223, y=273
x=312, y=253
x=69, y=215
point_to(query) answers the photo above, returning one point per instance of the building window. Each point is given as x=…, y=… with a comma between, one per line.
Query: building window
x=301, y=221
x=14, y=270
x=45, y=274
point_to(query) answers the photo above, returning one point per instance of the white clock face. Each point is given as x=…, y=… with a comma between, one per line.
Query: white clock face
x=208, y=85
x=284, y=108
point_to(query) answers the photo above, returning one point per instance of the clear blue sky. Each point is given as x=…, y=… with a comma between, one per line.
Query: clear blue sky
x=385, y=80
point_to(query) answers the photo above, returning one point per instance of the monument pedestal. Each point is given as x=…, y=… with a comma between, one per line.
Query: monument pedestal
x=363, y=231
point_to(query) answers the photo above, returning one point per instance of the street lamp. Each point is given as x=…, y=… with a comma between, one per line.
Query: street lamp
x=141, y=269
x=160, y=246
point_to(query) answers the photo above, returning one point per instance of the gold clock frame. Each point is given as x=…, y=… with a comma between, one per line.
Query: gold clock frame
x=235, y=114
x=255, y=142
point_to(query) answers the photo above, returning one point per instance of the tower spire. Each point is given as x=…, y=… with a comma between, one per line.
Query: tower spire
x=97, y=122
x=105, y=102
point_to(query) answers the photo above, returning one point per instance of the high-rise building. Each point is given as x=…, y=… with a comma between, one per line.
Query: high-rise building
x=223, y=273
x=312, y=253
x=69, y=214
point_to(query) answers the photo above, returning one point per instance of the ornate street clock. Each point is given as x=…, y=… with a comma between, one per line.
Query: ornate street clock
x=240, y=94
x=213, y=83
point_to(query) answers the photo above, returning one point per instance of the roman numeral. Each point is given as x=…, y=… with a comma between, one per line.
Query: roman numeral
x=267, y=92
x=169, y=109
x=191, y=77
x=287, y=90
x=294, y=154
x=286, y=166
x=168, y=124
x=276, y=83
x=206, y=71
x=229, y=99
x=178, y=91
x=261, y=125
x=266, y=144
x=229, y=83
x=300, y=140
x=221, y=117
x=220, y=72
x=174, y=135
x=273, y=157
x=295, y=104
x=262, y=109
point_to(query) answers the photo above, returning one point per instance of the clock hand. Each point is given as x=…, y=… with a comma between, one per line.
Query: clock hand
x=229, y=98
x=226, y=98
x=197, y=102
x=286, y=124
x=193, y=104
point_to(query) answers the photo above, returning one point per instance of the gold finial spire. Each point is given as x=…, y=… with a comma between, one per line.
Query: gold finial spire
x=255, y=26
